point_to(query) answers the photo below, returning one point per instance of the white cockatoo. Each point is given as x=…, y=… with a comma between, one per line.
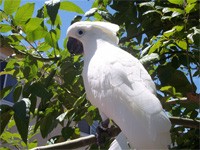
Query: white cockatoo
x=119, y=86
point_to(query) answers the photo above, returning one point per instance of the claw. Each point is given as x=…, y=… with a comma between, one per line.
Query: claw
x=102, y=133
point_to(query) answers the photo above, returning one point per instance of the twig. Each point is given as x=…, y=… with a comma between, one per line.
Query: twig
x=77, y=143
x=72, y=144
x=178, y=101
x=191, y=97
x=185, y=122
x=33, y=56
x=189, y=67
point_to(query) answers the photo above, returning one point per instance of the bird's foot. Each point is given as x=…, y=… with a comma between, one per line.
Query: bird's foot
x=102, y=133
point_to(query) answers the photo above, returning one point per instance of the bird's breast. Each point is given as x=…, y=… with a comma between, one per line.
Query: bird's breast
x=96, y=82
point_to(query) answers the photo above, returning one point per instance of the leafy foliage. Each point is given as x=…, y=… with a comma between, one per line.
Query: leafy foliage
x=48, y=78
x=163, y=34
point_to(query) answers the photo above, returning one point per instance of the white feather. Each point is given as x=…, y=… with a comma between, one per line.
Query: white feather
x=117, y=83
x=120, y=143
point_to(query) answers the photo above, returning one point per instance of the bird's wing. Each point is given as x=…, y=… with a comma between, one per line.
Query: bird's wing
x=129, y=79
x=133, y=100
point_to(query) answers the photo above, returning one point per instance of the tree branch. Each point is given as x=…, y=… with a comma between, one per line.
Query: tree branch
x=185, y=122
x=191, y=97
x=91, y=139
x=177, y=101
x=22, y=54
x=72, y=144
x=77, y=143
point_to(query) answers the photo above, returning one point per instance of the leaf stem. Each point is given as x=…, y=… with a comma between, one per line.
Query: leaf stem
x=31, y=45
x=188, y=66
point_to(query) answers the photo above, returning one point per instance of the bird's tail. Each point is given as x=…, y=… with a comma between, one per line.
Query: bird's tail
x=120, y=143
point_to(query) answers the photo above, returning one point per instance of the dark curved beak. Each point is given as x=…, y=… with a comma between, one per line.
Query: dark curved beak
x=74, y=46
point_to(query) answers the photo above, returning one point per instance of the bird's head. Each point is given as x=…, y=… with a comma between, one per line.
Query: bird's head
x=83, y=33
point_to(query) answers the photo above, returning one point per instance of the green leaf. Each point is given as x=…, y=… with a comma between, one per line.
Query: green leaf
x=30, y=68
x=191, y=1
x=11, y=122
x=178, y=2
x=166, y=17
x=151, y=11
x=169, y=32
x=24, y=13
x=79, y=101
x=3, y=16
x=51, y=38
x=149, y=4
x=32, y=144
x=52, y=11
x=70, y=6
x=7, y=72
x=10, y=6
x=61, y=117
x=76, y=19
x=49, y=79
x=106, y=2
x=90, y=12
x=77, y=131
x=168, y=75
x=21, y=117
x=194, y=114
x=173, y=30
x=155, y=46
x=95, y=3
x=39, y=90
x=10, y=65
x=182, y=44
x=169, y=89
x=17, y=93
x=44, y=47
x=4, y=92
x=131, y=28
x=5, y=114
x=168, y=9
x=149, y=57
x=105, y=15
x=191, y=8
x=33, y=24
x=37, y=34
x=48, y=123
x=33, y=100
x=67, y=132
x=145, y=50
x=178, y=28
x=194, y=36
x=5, y=28
x=174, y=14
x=91, y=108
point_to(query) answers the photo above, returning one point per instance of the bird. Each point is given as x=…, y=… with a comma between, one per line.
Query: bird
x=119, y=86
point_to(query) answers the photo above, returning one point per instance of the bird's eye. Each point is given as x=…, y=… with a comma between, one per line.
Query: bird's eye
x=80, y=32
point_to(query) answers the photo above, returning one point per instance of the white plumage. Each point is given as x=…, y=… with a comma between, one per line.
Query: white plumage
x=117, y=83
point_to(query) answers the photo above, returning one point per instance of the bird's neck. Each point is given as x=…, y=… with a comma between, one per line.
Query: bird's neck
x=94, y=46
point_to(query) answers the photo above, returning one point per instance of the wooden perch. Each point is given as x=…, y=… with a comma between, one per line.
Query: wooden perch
x=185, y=122
x=72, y=144
x=77, y=143
x=191, y=97
x=91, y=139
